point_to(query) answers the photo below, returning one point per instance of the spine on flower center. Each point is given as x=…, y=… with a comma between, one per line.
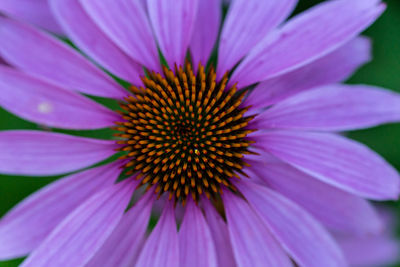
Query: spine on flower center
x=184, y=133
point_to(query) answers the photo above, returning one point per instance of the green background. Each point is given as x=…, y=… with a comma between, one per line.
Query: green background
x=383, y=71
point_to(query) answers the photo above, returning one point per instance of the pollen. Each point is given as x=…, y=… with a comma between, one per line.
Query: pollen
x=184, y=134
x=45, y=107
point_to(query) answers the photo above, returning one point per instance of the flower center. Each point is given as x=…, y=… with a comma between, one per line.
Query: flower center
x=183, y=133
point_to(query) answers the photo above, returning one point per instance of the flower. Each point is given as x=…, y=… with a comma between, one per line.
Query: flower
x=243, y=154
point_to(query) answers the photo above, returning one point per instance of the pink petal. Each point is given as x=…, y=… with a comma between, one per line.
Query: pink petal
x=45, y=153
x=307, y=37
x=123, y=246
x=196, y=246
x=30, y=222
x=126, y=23
x=37, y=12
x=335, y=208
x=246, y=24
x=162, y=247
x=219, y=232
x=333, y=108
x=206, y=30
x=88, y=36
x=77, y=238
x=332, y=68
x=173, y=23
x=335, y=160
x=252, y=242
x=43, y=103
x=53, y=60
x=302, y=237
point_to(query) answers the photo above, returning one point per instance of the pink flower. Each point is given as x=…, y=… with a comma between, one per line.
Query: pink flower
x=190, y=135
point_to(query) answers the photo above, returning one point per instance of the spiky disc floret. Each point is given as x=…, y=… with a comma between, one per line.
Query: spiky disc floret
x=184, y=133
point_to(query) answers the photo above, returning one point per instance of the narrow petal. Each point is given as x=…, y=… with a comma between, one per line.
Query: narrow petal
x=123, y=246
x=370, y=251
x=126, y=23
x=306, y=241
x=246, y=24
x=333, y=108
x=332, y=68
x=336, y=209
x=309, y=36
x=162, y=246
x=31, y=221
x=219, y=231
x=77, y=238
x=144, y=4
x=45, y=153
x=88, y=36
x=252, y=242
x=44, y=103
x=206, y=30
x=173, y=22
x=335, y=160
x=196, y=246
x=36, y=12
x=53, y=61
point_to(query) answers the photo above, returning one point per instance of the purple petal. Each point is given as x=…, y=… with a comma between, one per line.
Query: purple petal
x=126, y=23
x=30, y=222
x=45, y=153
x=162, y=247
x=307, y=37
x=144, y=4
x=333, y=108
x=246, y=24
x=123, y=246
x=87, y=35
x=370, y=251
x=219, y=232
x=335, y=208
x=173, y=23
x=43, y=103
x=335, y=160
x=2, y=62
x=205, y=30
x=196, y=246
x=252, y=243
x=37, y=12
x=332, y=68
x=53, y=61
x=306, y=241
x=77, y=238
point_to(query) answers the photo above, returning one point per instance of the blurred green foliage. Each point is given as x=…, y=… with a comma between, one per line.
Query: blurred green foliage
x=383, y=71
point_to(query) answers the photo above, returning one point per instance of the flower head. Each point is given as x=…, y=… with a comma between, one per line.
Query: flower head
x=237, y=146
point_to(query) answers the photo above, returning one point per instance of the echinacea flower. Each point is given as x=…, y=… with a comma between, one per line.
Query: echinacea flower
x=241, y=151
